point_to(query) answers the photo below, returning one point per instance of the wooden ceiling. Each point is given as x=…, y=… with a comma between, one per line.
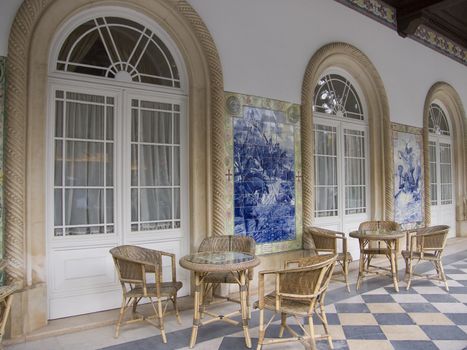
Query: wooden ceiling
x=447, y=17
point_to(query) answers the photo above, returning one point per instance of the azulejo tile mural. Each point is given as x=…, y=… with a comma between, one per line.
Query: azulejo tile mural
x=264, y=165
x=408, y=175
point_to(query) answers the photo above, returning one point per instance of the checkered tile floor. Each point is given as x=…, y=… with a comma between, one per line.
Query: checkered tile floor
x=424, y=317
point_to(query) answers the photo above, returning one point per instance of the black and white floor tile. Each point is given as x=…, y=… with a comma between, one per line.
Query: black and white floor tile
x=425, y=317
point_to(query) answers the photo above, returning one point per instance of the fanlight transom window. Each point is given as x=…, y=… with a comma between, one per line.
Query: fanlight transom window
x=437, y=121
x=335, y=95
x=119, y=48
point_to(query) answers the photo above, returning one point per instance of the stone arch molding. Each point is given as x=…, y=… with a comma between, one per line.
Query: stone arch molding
x=31, y=35
x=358, y=65
x=451, y=100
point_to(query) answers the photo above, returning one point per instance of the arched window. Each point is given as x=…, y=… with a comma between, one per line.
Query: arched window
x=441, y=172
x=340, y=159
x=115, y=47
x=118, y=142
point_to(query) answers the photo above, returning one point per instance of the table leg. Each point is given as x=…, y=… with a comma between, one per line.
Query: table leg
x=196, y=314
x=397, y=265
x=392, y=248
x=361, y=262
x=244, y=307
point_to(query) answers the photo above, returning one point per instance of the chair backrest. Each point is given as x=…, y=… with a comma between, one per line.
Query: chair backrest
x=133, y=262
x=379, y=225
x=311, y=278
x=432, y=238
x=320, y=239
x=228, y=243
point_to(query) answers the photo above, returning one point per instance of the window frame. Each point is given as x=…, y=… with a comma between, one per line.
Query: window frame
x=341, y=123
x=439, y=139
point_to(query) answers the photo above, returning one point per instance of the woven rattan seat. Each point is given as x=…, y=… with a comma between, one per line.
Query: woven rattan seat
x=426, y=244
x=299, y=292
x=319, y=240
x=227, y=243
x=135, y=265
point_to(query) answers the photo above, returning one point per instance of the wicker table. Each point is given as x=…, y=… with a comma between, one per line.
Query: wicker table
x=202, y=264
x=391, y=240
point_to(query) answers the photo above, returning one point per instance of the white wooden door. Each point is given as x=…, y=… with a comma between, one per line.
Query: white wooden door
x=443, y=206
x=344, y=154
x=105, y=189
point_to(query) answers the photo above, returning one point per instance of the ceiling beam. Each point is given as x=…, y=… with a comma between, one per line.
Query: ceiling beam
x=410, y=16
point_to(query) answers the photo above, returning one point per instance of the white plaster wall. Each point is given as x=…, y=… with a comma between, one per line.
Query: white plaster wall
x=8, y=10
x=265, y=46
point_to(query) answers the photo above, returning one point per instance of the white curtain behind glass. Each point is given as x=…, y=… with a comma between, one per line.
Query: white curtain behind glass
x=326, y=191
x=445, y=172
x=83, y=164
x=155, y=152
x=354, y=171
x=433, y=173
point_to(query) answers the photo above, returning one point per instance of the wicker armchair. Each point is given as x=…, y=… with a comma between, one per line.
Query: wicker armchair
x=299, y=291
x=426, y=244
x=374, y=226
x=227, y=243
x=6, y=299
x=134, y=265
x=319, y=240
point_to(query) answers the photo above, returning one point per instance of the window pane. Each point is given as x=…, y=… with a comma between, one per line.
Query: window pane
x=156, y=204
x=177, y=128
x=84, y=121
x=84, y=207
x=84, y=164
x=58, y=221
x=134, y=205
x=326, y=201
x=58, y=118
x=110, y=205
x=134, y=165
x=325, y=170
x=109, y=162
x=176, y=151
x=58, y=171
x=109, y=127
x=156, y=166
x=176, y=203
x=156, y=127
x=134, y=125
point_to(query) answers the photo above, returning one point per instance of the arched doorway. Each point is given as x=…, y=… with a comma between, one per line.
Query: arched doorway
x=31, y=35
x=341, y=168
x=444, y=127
x=440, y=143
x=117, y=150
x=342, y=57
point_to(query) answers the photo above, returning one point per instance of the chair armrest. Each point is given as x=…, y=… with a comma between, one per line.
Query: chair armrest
x=413, y=245
x=261, y=294
x=172, y=263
